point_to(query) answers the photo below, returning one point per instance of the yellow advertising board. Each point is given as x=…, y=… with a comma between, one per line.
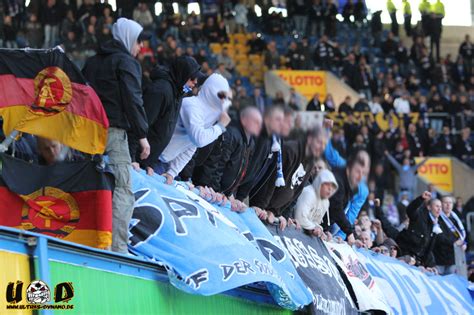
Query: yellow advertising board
x=438, y=171
x=307, y=83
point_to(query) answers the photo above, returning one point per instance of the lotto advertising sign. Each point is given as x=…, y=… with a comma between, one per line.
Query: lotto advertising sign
x=439, y=172
x=307, y=83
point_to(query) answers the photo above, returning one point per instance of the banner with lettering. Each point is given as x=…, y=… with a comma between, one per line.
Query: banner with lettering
x=367, y=292
x=317, y=268
x=208, y=249
x=438, y=171
x=307, y=83
x=409, y=291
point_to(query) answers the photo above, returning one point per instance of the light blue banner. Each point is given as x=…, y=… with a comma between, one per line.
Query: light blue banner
x=410, y=291
x=209, y=249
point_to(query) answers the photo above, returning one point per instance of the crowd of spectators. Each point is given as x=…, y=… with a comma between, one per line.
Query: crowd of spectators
x=254, y=152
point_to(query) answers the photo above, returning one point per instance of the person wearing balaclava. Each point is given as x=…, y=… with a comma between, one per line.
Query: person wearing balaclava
x=162, y=98
x=116, y=75
x=202, y=119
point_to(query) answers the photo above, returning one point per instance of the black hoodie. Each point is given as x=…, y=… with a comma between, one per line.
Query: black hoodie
x=228, y=163
x=162, y=100
x=116, y=77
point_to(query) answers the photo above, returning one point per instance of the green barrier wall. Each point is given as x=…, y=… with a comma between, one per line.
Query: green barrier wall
x=100, y=292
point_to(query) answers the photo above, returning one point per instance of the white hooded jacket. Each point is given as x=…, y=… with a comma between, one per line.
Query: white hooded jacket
x=126, y=31
x=310, y=208
x=197, y=125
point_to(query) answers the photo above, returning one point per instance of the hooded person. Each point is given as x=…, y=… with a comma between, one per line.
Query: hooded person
x=313, y=203
x=202, y=119
x=116, y=76
x=162, y=99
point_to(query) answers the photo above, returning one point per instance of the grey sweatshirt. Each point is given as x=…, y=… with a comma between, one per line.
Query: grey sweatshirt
x=407, y=176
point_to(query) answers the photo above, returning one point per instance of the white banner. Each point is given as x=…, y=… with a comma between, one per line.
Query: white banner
x=368, y=294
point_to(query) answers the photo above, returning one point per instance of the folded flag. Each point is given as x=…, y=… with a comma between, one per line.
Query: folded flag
x=71, y=200
x=43, y=93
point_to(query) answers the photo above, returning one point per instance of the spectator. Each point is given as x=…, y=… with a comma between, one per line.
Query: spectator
x=402, y=105
x=51, y=152
x=287, y=181
x=9, y=33
x=330, y=13
x=313, y=203
x=360, y=12
x=375, y=106
x=362, y=106
x=392, y=11
x=348, y=180
x=34, y=32
x=324, y=55
x=256, y=43
x=348, y=12
x=259, y=100
x=406, y=173
x=346, y=106
x=51, y=17
x=241, y=12
x=222, y=32
x=202, y=119
x=143, y=16
x=329, y=105
x=436, y=27
x=453, y=235
x=446, y=142
x=225, y=59
x=288, y=123
x=279, y=99
x=227, y=165
x=210, y=31
x=293, y=58
x=221, y=69
x=264, y=160
x=315, y=104
x=298, y=10
x=271, y=56
x=162, y=100
x=419, y=239
x=424, y=9
x=464, y=147
x=315, y=18
x=407, y=17
x=389, y=46
x=466, y=51
x=116, y=77
x=295, y=102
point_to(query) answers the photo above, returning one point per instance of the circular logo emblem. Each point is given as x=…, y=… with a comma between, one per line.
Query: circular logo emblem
x=53, y=92
x=50, y=211
x=38, y=292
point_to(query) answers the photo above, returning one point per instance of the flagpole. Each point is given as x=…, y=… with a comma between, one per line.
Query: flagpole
x=8, y=140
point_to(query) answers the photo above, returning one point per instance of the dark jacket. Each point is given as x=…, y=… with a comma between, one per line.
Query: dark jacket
x=339, y=201
x=228, y=163
x=418, y=239
x=444, y=251
x=162, y=100
x=261, y=167
x=296, y=171
x=116, y=77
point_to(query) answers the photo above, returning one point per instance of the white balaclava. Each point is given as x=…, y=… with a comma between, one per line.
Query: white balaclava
x=214, y=84
x=126, y=31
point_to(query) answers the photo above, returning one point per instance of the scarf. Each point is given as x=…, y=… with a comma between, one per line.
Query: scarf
x=459, y=233
x=276, y=147
x=436, y=227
